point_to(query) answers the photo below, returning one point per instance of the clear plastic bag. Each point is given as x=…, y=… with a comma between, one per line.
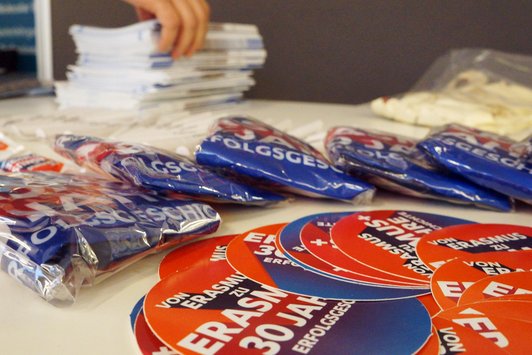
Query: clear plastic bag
x=487, y=159
x=160, y=170
x=479, y=88
x=59, y=232
x=255, y=151
x=395, y=163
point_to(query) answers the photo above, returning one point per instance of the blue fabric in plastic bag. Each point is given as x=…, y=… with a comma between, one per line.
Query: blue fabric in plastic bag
x=484, y=158
x=261, y=153
x=58, y=231
x=156, y=169
x=393, y=162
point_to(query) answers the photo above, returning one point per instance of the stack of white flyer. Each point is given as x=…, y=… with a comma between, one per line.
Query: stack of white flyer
x=121, y=68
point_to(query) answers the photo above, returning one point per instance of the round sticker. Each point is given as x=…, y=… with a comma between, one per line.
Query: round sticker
x=210, y=309
x=430, y=304
x=456, y=339
x=289, y=242
x=432, y=346
x=137, y=308
x=496, y=322
x=191, y=254
x=315, y=237
x=520, y=311
x=255, y=255
x=459, y=241
x=147, y=342
x=449, y=281
x=386, y=240
x=514, y=283
x=524, y=297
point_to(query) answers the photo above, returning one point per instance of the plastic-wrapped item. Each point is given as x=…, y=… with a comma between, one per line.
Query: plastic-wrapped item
x=259, y=152
x=484, y=158
x=30, y=162
x=8, y=147
x=59, y=232
x=13, y=158
x=393, y=162
x=480, y=88
x=157, y=169
x=523, y=149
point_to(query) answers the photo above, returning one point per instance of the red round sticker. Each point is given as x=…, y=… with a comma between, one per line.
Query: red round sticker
x=386, y=240
x=191, y=254
x=474, y=239
x=315, y=237
x=449, y=281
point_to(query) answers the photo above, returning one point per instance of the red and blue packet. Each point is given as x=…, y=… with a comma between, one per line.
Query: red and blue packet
x=487, y=159
x=159, y=170
x=393, y=162
x=255, y=151
x=59, y=231
x=30, y=162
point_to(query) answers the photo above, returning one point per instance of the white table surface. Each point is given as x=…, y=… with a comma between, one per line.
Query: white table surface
x=98, y=323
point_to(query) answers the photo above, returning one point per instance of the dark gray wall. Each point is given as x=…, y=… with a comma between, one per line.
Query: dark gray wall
x=108, y=13
x=341, y=50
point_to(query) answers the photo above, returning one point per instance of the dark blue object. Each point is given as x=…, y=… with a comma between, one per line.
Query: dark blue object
x=57, y=228
x=394, y=163
x=482, y=157
x=136, y=311
x=249, y=148
x=156, y=169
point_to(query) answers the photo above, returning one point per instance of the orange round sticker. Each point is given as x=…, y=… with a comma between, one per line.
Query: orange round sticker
x=430, y=304
x=255, y=255
x=456, y=339
x=514, y=283
x=432, y=346
x=505, y=324
x=386, y=240
x=315, y=237
x=449, y=282
x=212, y=308
x=190, y=255
x=473, y=239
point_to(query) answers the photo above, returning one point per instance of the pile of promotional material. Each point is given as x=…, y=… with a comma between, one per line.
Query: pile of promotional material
x=62, y=231
x=121, y=68
x=384, y=282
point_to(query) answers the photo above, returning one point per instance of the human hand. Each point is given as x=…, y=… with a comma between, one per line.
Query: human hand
x=184, y=23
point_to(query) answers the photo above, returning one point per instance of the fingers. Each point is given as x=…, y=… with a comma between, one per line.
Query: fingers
x=202, y=12
x=143, y=15
x=170, y=24
x=187, y=28
x=184, y=23
x=165, y=13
